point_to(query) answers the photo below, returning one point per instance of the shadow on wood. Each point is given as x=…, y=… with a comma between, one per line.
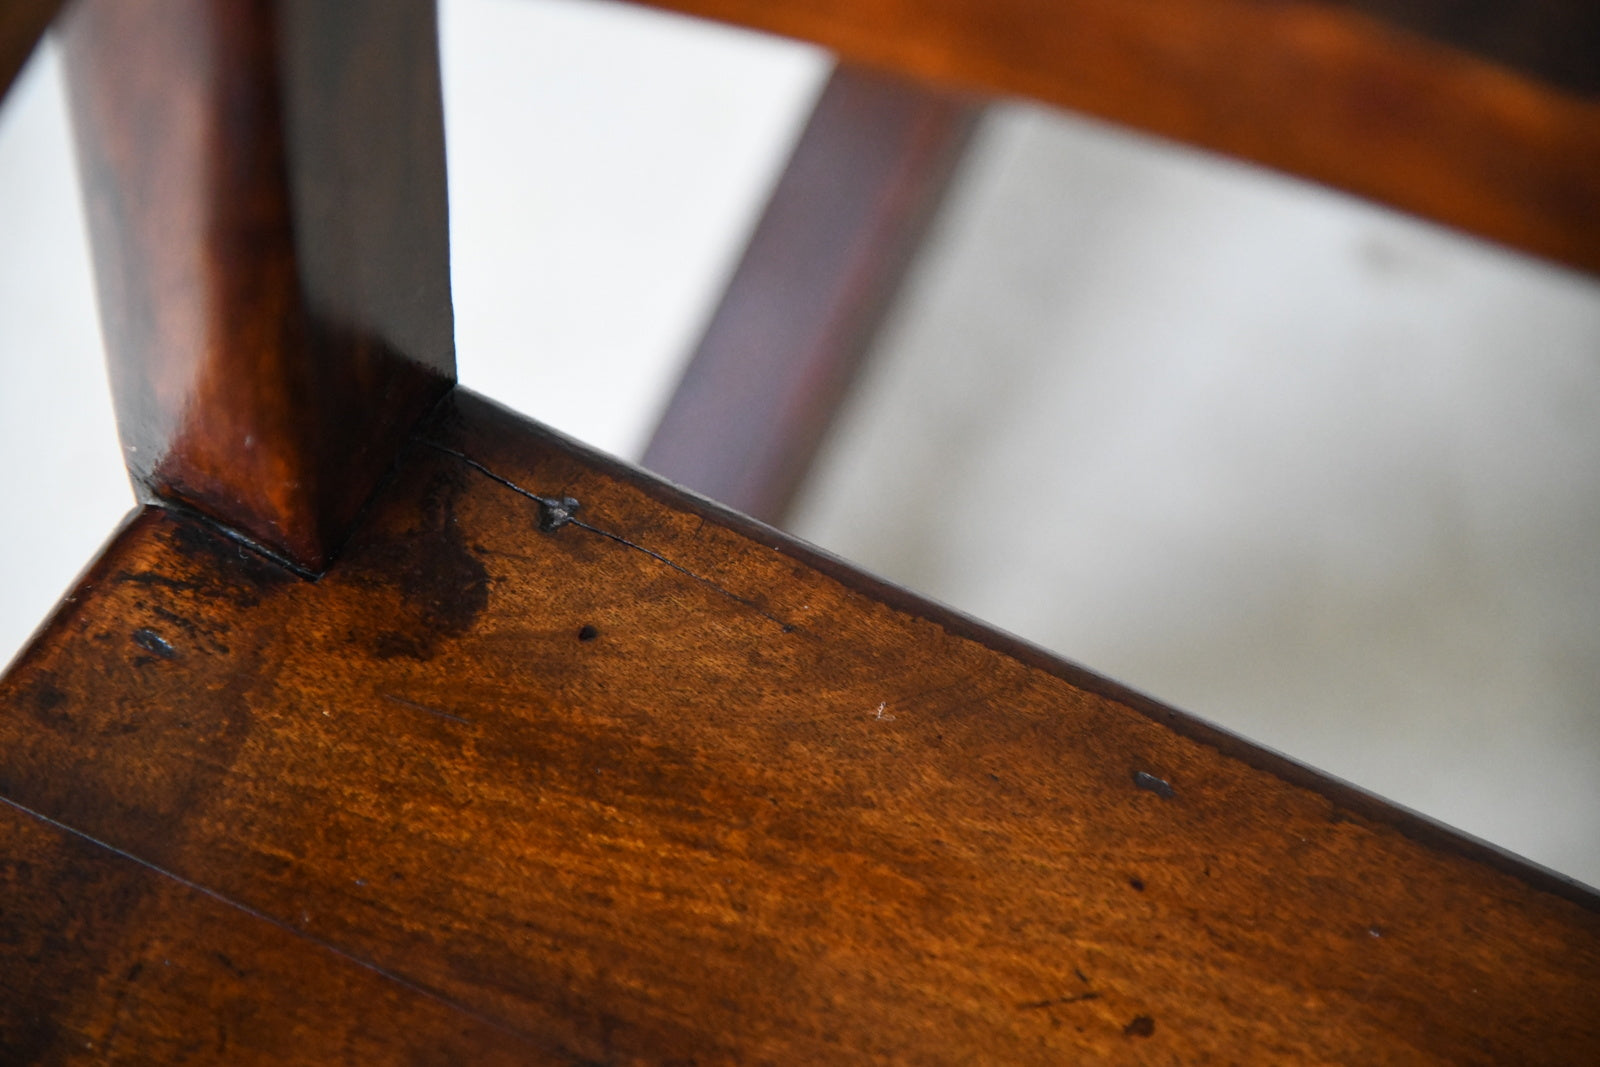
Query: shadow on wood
x=559, y=757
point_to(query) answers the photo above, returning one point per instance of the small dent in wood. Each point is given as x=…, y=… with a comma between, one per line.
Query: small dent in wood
x=1160, y=787
x=1139, y=1026
x=154, y=643
x=556, y=512
x=587, y=633
x=47, y=702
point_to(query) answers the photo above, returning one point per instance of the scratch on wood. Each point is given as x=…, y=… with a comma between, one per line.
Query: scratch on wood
x=1054, y=1001
x=555, y=513
x=424, y=707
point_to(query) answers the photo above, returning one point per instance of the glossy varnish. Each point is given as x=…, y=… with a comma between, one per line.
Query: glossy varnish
x=633, y=780
x=1483, y=116
x=266, y=203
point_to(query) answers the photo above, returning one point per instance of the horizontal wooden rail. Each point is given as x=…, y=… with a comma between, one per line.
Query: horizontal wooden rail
x=1316, y=89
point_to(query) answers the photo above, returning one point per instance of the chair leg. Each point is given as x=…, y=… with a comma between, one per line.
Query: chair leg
x=266, y=201
x=837, y=235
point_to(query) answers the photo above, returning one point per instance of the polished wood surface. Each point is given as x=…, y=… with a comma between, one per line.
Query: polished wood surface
x=560, y=760
x=558, y=763
x=864, y=180
x=111, y=961
x=1320, y=90
x=266, y=202
x=22, y=23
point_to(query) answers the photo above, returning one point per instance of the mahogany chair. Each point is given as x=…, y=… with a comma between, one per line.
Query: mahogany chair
x=393, y=727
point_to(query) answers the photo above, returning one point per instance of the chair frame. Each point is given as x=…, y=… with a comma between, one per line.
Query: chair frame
x=394, y=727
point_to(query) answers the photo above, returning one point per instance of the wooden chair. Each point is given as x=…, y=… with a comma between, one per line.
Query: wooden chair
x=395, y=728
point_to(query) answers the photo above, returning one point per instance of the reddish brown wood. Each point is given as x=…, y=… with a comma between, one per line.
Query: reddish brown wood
x=559, y=763
x=22, y=23
x=798, y=316
x=643, y=781
x=1319, y=90
x=110, y=961
x=266, y=198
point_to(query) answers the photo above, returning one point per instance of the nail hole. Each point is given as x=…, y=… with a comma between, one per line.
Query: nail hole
x=588, y=633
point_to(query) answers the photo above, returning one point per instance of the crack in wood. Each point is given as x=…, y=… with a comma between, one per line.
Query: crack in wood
x=556, y=512
x=281, y=924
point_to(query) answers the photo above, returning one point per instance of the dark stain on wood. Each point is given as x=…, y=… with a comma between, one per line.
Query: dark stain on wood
x=694, y=838
x=451, y=586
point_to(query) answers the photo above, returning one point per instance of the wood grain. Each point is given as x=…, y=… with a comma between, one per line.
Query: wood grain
x=865, y=178
x=112, y=961
x=636, y=780
x=1319, y=90
x=266, y=202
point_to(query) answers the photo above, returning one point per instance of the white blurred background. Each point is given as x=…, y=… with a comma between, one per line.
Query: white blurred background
x=1322, y=474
